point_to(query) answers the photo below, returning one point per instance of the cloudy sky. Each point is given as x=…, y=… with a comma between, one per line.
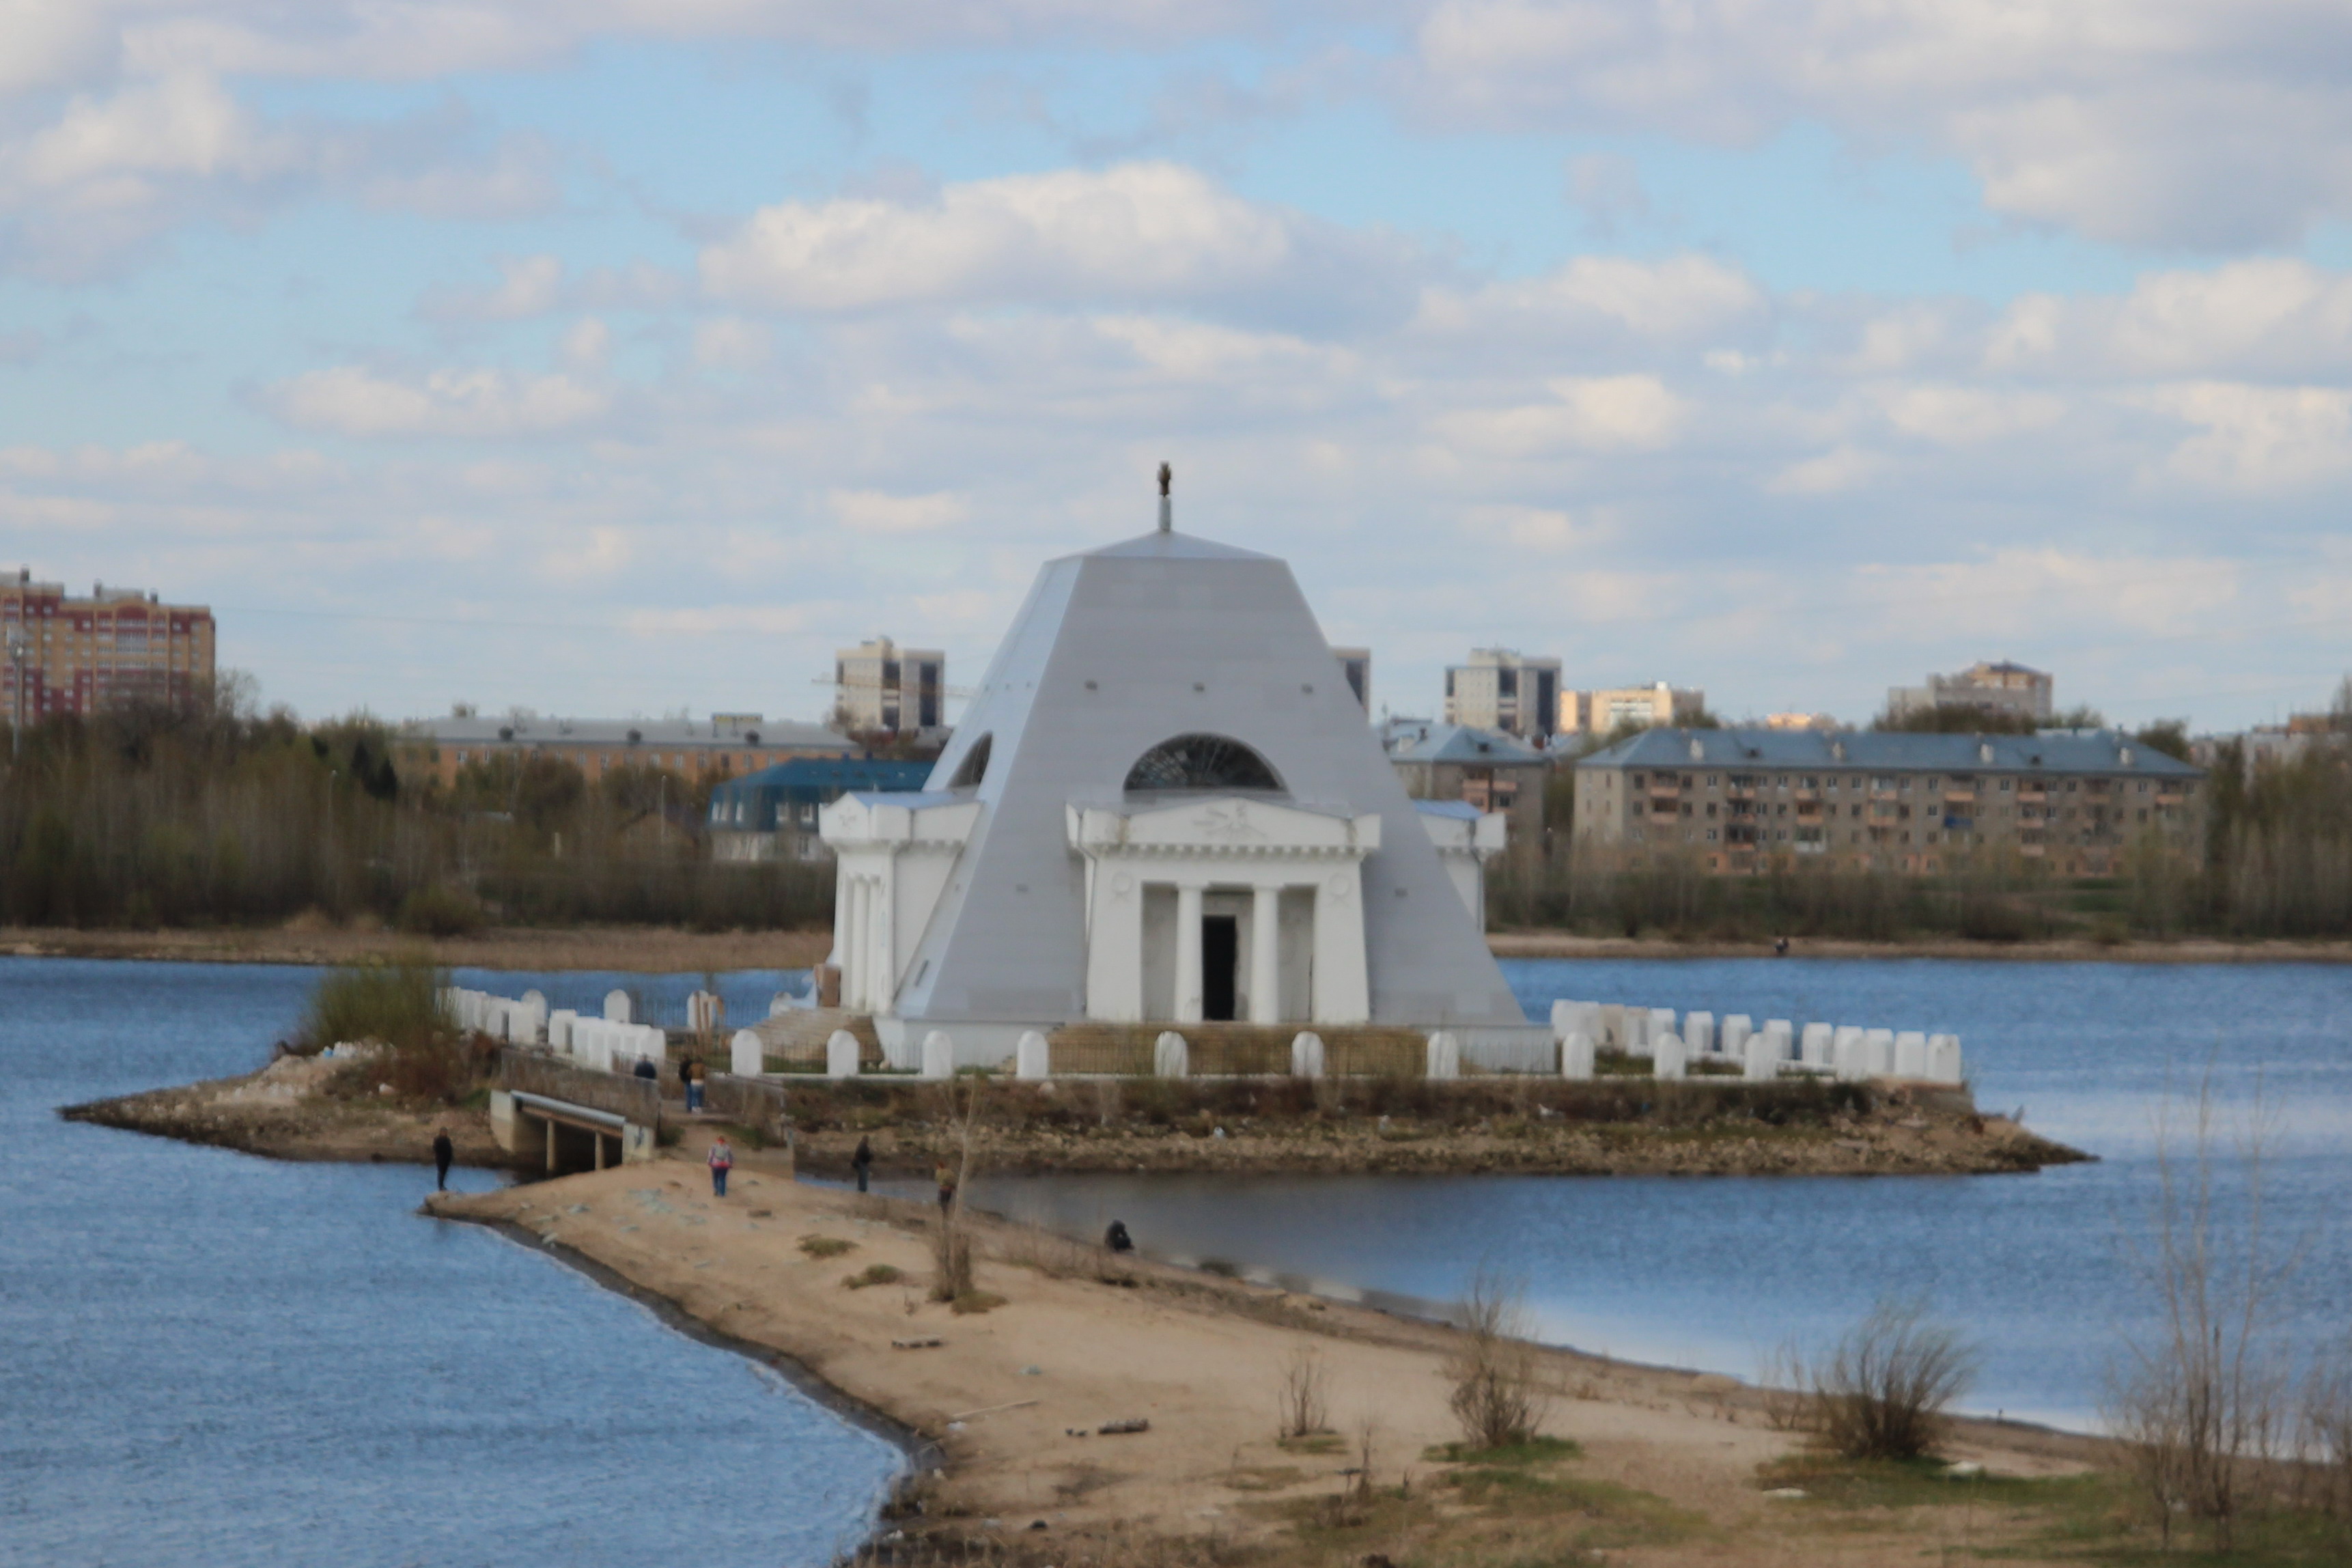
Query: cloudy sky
x=621, y=356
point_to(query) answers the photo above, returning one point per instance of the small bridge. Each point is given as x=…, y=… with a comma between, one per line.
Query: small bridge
x=582, y=1120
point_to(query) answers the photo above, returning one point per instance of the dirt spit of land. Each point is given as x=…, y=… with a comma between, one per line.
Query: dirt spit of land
x=1017, y=1402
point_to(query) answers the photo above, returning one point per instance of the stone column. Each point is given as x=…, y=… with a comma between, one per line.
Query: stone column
x=882, y=979
x=1188, y=953
x=1266, y=953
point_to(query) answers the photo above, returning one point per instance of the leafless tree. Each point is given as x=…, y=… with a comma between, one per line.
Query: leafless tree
x=1497, y=1397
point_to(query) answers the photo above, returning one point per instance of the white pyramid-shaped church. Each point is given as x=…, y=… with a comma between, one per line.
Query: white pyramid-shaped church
x=1165, y=802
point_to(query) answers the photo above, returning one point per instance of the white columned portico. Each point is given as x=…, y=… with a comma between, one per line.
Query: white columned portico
x=1266, y=953
x=1291, y=875
x=1189, y=986
x=893, y=858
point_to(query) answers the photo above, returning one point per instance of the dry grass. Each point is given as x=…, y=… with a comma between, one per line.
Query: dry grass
x=1881, y=1390
x=873, y=1274
x=1305, y=1395
x=1497, y=1395
x=826, y=1245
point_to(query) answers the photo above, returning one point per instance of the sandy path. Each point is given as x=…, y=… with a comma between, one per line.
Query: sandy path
x=1201, y=1358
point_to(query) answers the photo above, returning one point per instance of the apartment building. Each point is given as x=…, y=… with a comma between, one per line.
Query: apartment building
x=2003, y=687
x=1598, y=712
x=1737, y=801
x=119, y=646
x=1502, y=689
x=724, y=745
x=879, y=685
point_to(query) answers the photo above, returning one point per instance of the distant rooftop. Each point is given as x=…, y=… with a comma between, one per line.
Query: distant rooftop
x=1434, y=741
x=1893, y=751
x=729, y=730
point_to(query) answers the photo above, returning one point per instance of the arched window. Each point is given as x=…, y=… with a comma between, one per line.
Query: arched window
x=1201, y=763
x=974, y=766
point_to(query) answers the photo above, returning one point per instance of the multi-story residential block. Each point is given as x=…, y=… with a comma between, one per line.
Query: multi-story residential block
x=1483, y=768
x=2003, y=688
x=1502, y=689
x=723, y=746
x=1598, y=712
x=117, y=646
x=1356, y=663
x=772, y=815
x=1748, y=800
x=879, y=685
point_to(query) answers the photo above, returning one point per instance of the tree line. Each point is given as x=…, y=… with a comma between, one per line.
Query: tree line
x=216, y=814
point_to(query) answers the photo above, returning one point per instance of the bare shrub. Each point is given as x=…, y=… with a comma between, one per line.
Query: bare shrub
x=396, y=1004
x=1305, y=1386
x=2324, y=1435
x=1782, y=1380
x=951, y=1276
x=1497, y=1397
x=2200, y=1399
x=1882, y=1390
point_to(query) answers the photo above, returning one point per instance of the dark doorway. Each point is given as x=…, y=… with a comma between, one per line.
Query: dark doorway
x=1221, y=950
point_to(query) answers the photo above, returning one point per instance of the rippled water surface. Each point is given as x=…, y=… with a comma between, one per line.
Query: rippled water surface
x=1715, y=1271
x=208, y=1359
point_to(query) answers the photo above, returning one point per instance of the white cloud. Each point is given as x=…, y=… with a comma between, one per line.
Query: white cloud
x=1589, y=413
x=1135, y=231
x=1969, y=417
x=2201, y=122
x=730, y=342
x=1677, y=298
x=2260, y=437
x=875, y=512
x=351, y=401
x=2273, y=316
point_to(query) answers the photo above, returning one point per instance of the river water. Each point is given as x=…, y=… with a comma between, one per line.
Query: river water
x=207, y=1358
x=1716, y=1272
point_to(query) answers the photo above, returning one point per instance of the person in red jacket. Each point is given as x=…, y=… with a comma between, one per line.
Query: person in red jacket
x=722, y=1160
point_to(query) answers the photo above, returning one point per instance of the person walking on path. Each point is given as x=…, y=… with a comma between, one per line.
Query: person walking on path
x=443, y=1153
x=945, y=1175
x=694, y=1079
x=862, y=1161
x=722, y=1160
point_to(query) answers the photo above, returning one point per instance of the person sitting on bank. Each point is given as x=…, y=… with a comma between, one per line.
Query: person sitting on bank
x=722, y=1160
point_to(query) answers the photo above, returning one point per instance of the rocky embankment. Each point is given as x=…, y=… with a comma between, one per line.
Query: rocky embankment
x=299, y=1108
x=1558, y=1130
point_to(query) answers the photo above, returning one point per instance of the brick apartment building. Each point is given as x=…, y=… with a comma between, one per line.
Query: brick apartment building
x=1746, y=800
x=59, y=654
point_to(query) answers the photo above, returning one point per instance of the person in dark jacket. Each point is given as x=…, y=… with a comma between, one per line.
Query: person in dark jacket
x=1117, y=1238
x=862, y=1161
x=646, y=1068
x=443, y=1153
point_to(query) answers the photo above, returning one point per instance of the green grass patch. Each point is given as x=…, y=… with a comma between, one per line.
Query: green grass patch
x=1915, y=1483
x=1314, y=1443
x=873, y=1274
x=1534, y=1451
x=826, y=1245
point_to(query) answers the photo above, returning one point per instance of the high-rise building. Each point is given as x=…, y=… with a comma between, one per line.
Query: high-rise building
x=878, y=685
x=1503, y=689
x=1357, y=664
x=2003, y=688
x=117, y=646
x=1601, y=711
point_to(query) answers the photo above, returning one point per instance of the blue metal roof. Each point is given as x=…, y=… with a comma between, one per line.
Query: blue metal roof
x=1429, y=741
x=1895, y=750
x=817, y=779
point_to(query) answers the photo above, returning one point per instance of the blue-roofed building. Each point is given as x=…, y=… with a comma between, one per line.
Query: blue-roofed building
x=1746, y=800
x=1483, y=768
x=772, y=815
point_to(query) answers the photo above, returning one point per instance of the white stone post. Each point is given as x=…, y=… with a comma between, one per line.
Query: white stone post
x=1444, y=1055
x=1667, y=1055
x=1576, y=1056
x=1032, y=1058
x=841, y=1054
x=559, y=1029
x=1943, y=1059
x=1851, y=1055
x=1814, y=1050
x=1633, y=1031
x=1848, y=1036
x=1170, y=1056
x=939, y=1055
x=1763, y=1062
x=1188, y=980
x=1911, y=1054
x=1662, y=1023
x=1698, y=1032
x=745, y=1054
x=617, y=1007
x=1266, y=954
x=1735, y=1030
x=1307, y=1055
x=1878, y=1047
